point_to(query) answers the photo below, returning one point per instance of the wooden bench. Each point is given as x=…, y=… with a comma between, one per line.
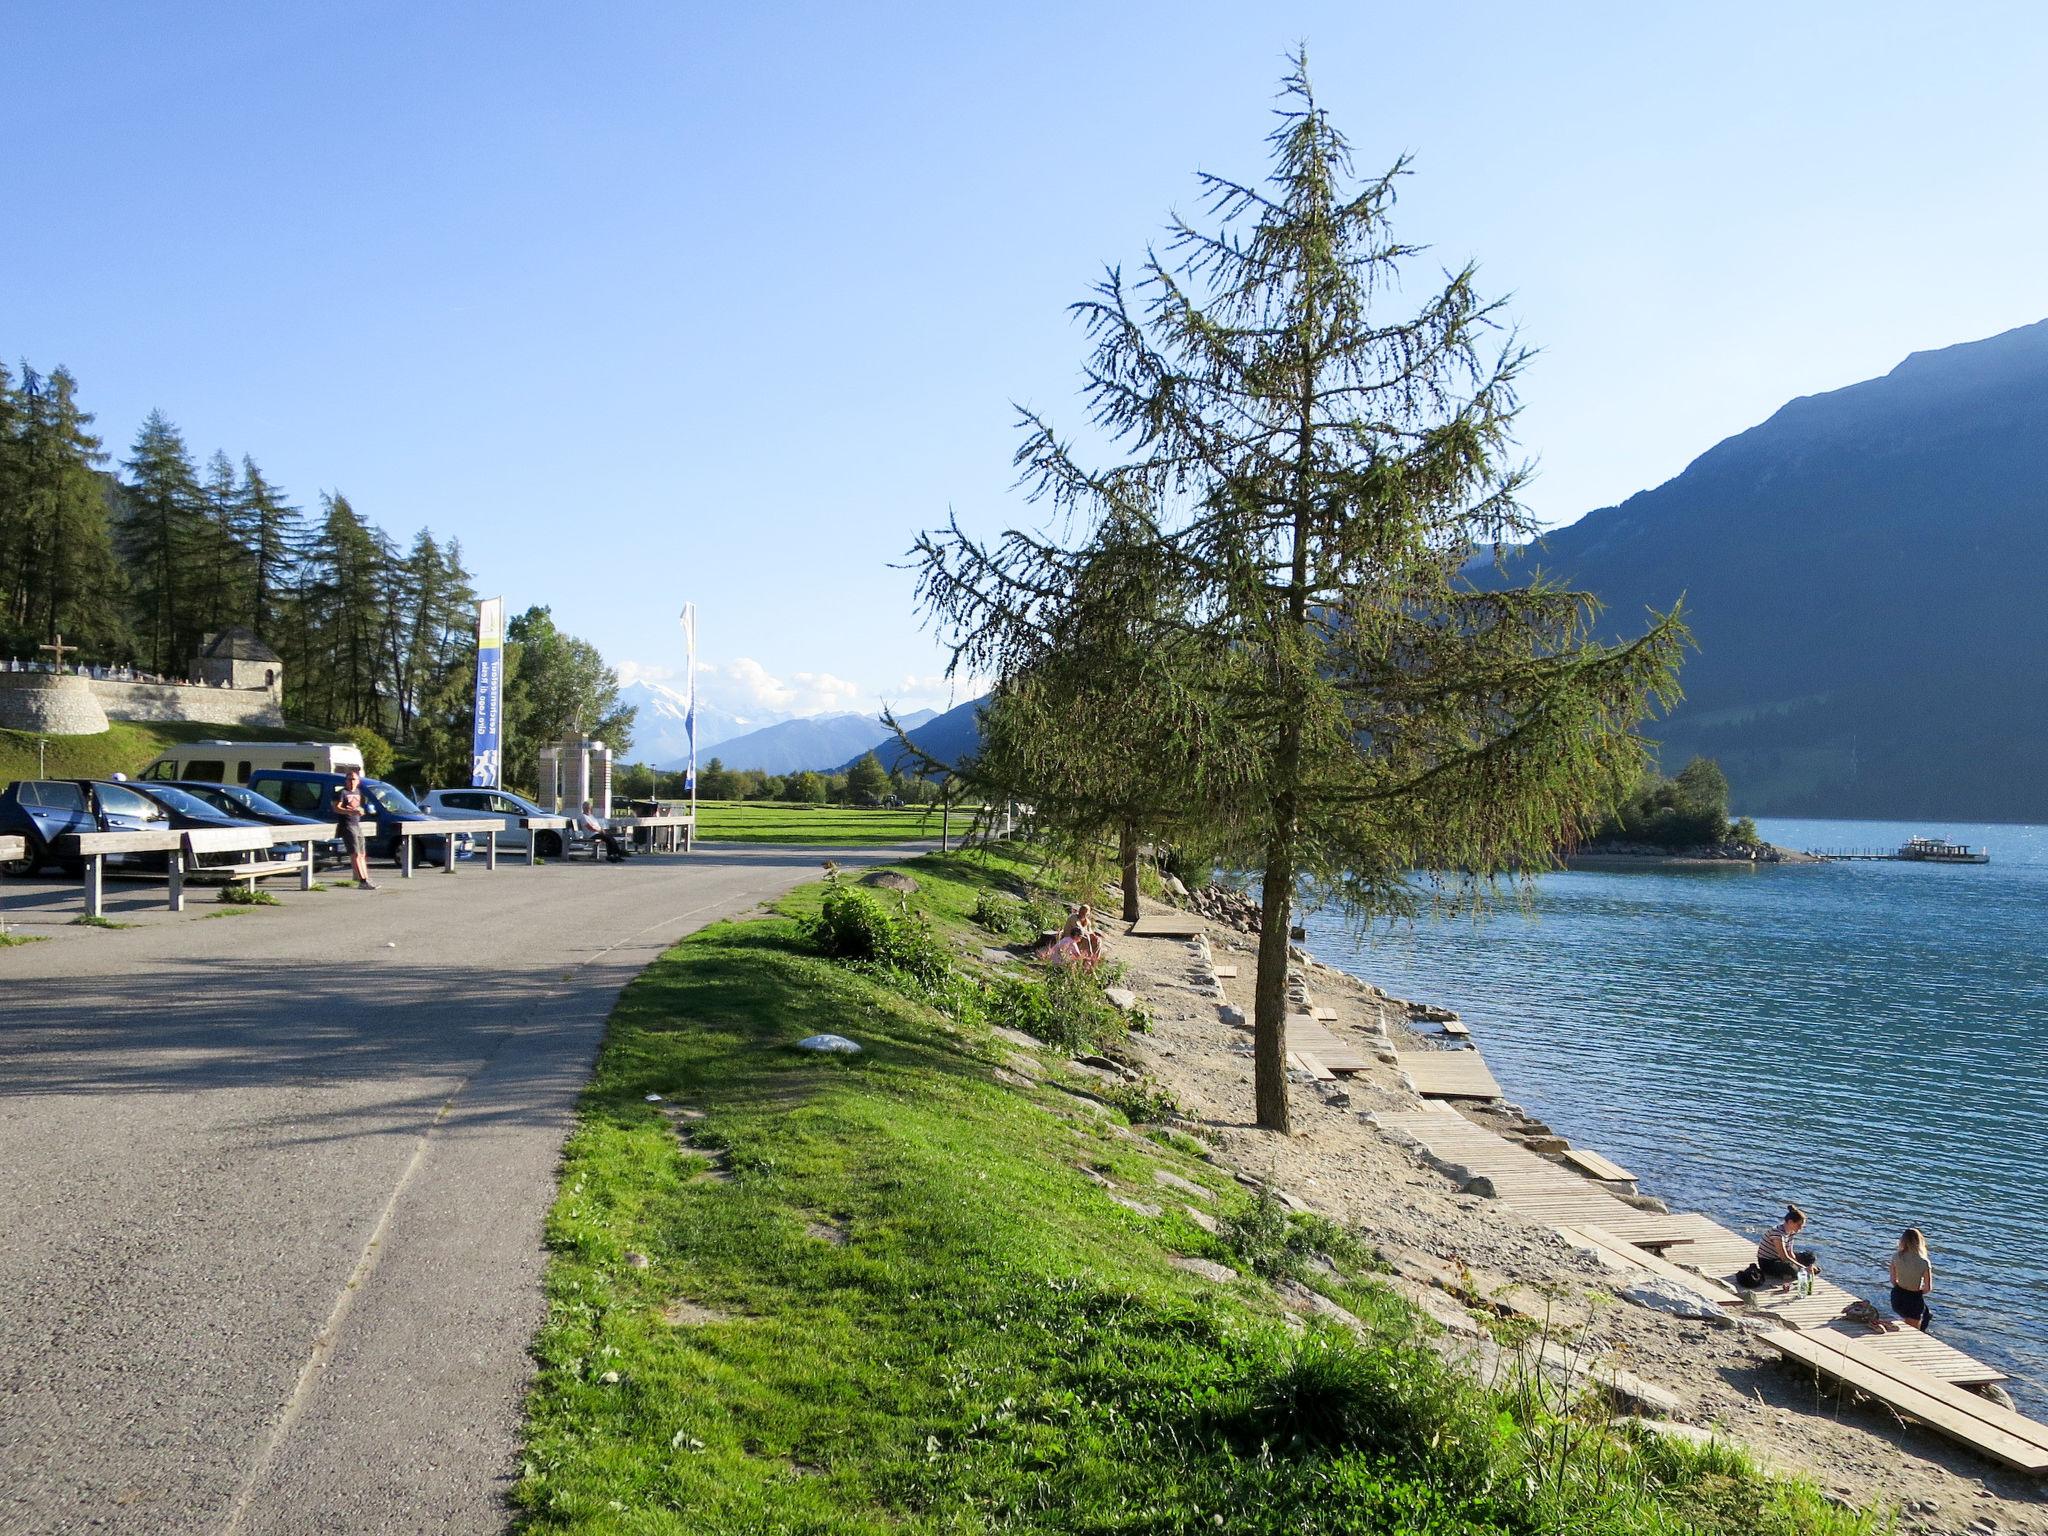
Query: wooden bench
x=659, y=834
x=449, y=827
x=533, y=826
x=1963, y=1416
x=239, y=840
x=1168, y=925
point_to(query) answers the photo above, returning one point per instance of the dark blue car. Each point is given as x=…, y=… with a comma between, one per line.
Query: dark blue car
x=240, y=800
x=41, y=811
x=308, y=792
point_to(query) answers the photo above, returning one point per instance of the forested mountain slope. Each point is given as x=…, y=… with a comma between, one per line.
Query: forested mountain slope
x=1863, y=573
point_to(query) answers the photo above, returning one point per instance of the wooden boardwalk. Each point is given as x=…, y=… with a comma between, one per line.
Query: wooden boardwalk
x=1307, y=1035
x=1535, y=1189
x=1168, y=925
x=1448, y=1074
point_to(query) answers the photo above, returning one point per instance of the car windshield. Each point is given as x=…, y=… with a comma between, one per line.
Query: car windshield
x=179, y=800
x=389, y=798
x=233, y=797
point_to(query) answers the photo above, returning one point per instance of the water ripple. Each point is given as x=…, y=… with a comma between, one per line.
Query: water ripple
x=1870, y=1040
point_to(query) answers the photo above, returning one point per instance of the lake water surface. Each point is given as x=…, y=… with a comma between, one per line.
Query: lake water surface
x=1869, y=1040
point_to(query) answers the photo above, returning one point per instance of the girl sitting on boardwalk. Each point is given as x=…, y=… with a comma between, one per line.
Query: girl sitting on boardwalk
x=1912, y=1279
x=1777, y=1259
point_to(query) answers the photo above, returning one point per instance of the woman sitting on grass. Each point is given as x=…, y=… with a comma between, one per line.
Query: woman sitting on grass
x=1078, y=942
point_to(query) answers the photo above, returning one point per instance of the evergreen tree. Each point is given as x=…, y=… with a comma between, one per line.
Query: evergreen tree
x=270, y=528
x=223, y=586
x=866, y=781
x=162, y=533
x=1317, y=472
x=56, y=534
x=343, y=592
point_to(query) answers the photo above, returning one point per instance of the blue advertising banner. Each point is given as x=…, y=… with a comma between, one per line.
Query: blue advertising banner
x=487, y=746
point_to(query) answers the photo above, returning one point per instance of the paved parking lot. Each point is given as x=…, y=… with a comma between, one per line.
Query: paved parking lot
x=271, y=1184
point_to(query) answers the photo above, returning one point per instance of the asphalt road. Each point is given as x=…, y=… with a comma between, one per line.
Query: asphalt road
x=271, y=1185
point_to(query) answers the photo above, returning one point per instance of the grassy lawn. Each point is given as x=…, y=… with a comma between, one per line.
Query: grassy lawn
x=126, y=746
x=770, y=821
x=896, y=1293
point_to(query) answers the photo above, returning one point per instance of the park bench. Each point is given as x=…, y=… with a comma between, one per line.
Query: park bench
x=182, y=851
x=449, y=827
x=659, y=834
x=533, y=826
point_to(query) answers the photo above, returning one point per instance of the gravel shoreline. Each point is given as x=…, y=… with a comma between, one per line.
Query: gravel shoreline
x=1721, y=1378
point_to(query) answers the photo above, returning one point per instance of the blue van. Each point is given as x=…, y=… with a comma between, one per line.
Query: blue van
x=308, y=792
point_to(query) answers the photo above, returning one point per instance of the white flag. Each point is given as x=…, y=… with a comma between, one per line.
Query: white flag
x=690, y=712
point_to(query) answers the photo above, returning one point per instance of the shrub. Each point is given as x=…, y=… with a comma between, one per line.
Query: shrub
x=1065, y=1009
x=1145, y=1102
x=998, y=913
x=246, y=896
x=1270, y=1240
x=378, y=754
x=855, y=925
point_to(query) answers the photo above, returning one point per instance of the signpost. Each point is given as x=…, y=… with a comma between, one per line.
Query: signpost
x=487, y=746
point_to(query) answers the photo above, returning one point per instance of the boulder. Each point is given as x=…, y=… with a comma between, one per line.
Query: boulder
x=1208, y=1269
x=1479, y=1184
x=1174, y=1181
x=890, y=880
x=1121, y=997
x=1668, y=1296
x=828, y=1045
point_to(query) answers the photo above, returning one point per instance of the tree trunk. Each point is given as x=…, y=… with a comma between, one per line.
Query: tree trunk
x=1269, y=1001
x=1127, y=849
x=945, y=823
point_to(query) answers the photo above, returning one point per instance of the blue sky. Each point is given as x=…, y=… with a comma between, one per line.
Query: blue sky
x=647, y=302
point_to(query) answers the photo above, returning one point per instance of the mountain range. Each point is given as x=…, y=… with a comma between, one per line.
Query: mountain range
x=658, y=733
x=819, y=742
x=1862, y=575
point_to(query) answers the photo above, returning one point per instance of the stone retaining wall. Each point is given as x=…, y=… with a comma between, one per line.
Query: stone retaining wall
x=50, y=705
x=180, y=701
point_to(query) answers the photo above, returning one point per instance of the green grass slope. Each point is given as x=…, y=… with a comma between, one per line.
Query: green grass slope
x=898, y=1293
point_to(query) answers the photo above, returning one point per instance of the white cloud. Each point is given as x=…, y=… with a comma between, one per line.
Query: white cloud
x=743, y=684
x=935, y=691
x=631, y=672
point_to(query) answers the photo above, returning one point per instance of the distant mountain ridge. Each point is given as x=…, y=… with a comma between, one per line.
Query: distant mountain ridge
x=659, y=735
x=816, y=742
x=949, y=738
x=1862, y=574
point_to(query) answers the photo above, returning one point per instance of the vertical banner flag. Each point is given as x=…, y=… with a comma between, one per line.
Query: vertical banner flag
x=690, y=716
x=487, y=746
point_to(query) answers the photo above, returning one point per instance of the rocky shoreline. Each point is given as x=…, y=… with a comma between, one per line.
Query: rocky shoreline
x=1462, y=1256
x=1593, y=855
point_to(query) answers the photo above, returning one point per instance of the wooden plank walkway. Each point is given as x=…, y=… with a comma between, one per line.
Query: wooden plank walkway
x=1168, y=925
x=1225, y=973
x=1540, y=1191
x=1305, y=1034
x=1448, y=1074
x=1621, y=1255
x=1312, y=1066
x=1921, y=1351
x=1975, y=1421
x=1595, y=1166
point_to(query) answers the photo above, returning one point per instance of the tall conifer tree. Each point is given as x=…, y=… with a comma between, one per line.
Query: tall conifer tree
x=162, y=533
x=1322, y=470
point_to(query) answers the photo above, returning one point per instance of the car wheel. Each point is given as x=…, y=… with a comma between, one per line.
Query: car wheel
x=550, y=845
x=26, y=868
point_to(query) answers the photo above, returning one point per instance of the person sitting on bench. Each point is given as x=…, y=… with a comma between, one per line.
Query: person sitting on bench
x=614, y=846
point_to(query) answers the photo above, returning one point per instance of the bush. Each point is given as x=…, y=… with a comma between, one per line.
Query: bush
x=246, y=896
x=1065, y=1009
x=855, y=925
x=998, y=913
x=378, y=754
x=1272, y=1241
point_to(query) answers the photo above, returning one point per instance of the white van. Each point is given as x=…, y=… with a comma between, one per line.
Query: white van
x=231, y=762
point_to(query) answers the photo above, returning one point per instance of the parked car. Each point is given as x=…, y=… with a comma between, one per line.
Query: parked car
x=311, y=793
x=508, y=808
x=233, y=762
x=43, y=810
x=240, y=800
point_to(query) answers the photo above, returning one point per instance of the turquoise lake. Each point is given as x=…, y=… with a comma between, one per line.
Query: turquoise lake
x=1868, y=1040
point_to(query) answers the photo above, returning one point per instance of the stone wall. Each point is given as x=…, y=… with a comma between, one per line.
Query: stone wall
x=50, y=704
x=183, y=701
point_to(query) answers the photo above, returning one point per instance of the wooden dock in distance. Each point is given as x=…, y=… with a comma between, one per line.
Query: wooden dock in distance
x=1448, y=1074
x=1168, y=925
x=1594, y=1166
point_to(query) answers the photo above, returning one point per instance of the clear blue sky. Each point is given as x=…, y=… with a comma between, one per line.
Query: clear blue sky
x=655, y=301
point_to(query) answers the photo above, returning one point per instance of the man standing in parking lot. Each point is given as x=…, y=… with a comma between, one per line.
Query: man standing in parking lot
x=348, y=805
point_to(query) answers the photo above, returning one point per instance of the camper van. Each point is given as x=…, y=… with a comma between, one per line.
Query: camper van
x=231, y=762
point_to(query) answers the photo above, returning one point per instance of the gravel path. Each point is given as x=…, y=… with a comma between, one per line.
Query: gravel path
x=271, y=1186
